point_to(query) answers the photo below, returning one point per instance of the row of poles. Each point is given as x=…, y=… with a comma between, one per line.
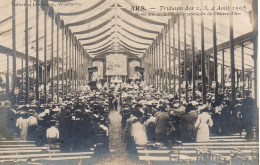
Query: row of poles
x=71, y=63
x=157, y=60
x=76, y=57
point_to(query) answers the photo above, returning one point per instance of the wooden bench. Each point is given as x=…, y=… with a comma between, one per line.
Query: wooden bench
x=189, y=154
x=19, y=152
x=36, y=161
x=226, y=137
x=17, y=145
x=166, y=155
x=149, y=159
x=221, y=143
x=227, y=140
x=78, y=158
x=24, y=148
x=45, y=155
x=32, y=151
x=213, y=147
x=16, y=141
x=147, y=152
x=222, y=156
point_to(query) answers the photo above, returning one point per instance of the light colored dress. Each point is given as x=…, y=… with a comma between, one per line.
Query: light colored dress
x=202, y=124
x=23, y=125
x=139, y=134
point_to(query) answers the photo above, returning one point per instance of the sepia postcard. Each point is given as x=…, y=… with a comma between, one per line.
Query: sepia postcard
x=129, y=82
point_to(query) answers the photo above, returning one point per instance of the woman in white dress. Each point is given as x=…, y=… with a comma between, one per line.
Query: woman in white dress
x=202, y=124
x=139, y=133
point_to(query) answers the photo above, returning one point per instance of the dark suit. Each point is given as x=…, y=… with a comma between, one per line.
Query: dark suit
x=161, y=126
x=188, y=132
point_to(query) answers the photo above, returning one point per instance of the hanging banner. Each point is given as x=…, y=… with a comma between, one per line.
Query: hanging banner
x=99, y=73
x=116, y=64
x=132, y=73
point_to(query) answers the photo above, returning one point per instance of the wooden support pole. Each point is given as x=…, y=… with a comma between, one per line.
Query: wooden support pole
x=157, y=64
x=22, y=76
x=232, y=53
x=215, y=54
x=26, y=54
x=52, y=58
x=66, y=65
x=160, y=68
x=70, y=60
x=14, y=51
x=62, y=63
x=57, y=63
x=75, y=66
x=170, y=56
x=223, y=71
x=45, y=56
x=193, y=60
x=203, y=58
x=72, y=65
x=179, y=58
x=255, y=46
x=243, y=70
x=174, y=55
x=185, y=62
x=165, y=60
x=7, y=76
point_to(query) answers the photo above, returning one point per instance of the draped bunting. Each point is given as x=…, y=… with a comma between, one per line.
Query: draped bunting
x=94, y=28
x=104, y=48
x=101, y=39
x=94, y=36
x=131, y=46
x=131, y=49
x=102, y=52
x=146, y=38
x=123, y=44
x=130, y=55
x=137, y=32
x=96, y=42
x=108, y=42
x=94, y=18
x=139, y=28
x=132, y=39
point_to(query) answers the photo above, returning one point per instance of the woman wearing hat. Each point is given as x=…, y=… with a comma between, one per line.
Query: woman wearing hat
x=187, y=131
x=202, y=124
x=23, y=123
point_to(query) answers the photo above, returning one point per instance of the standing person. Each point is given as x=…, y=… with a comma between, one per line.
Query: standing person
x=52, y=134
x=33, y=123
x=249, y=111
x=23, y=123
x=188, y=131
x=110, y=98
x=128, y=139
x=161, y=126
x=115, y=102
x=202, y=124
x=138, y=133
x=150, y=127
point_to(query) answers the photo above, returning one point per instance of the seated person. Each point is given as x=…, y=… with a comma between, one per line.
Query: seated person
x=52, y=134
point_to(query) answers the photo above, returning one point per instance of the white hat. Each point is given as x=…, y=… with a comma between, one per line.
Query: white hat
x=202, y=107
x=46, y=111
x=194, y=103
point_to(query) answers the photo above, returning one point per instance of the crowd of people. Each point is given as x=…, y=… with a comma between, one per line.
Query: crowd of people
x=161, y=118
x=71, y=125
x=148, y=115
